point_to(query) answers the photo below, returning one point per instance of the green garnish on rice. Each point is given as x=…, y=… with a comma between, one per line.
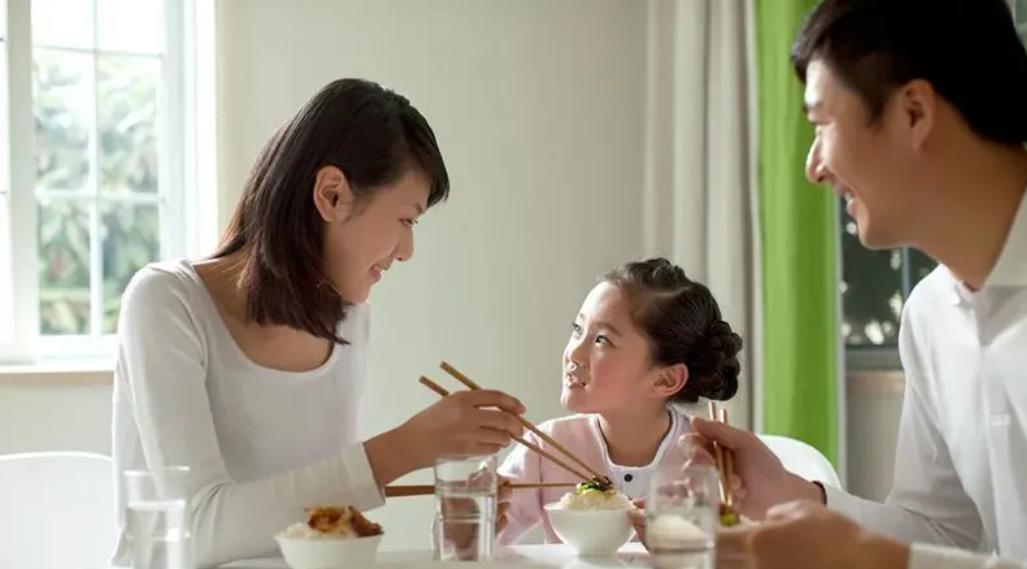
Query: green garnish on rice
x=728, y=516
x=594, y=485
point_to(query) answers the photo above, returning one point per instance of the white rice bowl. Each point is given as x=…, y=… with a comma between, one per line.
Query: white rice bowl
x=306, y=548
x=592, y=522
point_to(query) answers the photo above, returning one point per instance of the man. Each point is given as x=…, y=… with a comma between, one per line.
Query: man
x=920, y=113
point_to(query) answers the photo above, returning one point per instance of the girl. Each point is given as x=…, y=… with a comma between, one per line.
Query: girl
x=248, y=367
x=646, y=337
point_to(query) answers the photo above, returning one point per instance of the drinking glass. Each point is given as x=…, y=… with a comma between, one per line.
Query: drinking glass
x=464, y=527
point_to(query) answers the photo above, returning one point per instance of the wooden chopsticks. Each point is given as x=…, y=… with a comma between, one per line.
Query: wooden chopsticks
x=442, y=392
x=724, y=457
x=527, y=424
x=426, y=489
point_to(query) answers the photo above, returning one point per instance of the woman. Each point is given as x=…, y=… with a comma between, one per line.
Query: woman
x=248, y=367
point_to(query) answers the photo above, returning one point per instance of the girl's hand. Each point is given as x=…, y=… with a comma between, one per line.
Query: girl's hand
x=637, y=516
x=503, y=504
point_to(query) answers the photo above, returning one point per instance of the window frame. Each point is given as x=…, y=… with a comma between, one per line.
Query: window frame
x=1019, y=9
x=6, y=292
x=187, y=151
x=20, y=227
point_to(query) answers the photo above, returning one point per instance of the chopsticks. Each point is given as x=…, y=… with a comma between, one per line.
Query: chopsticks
x=426, y=489
x=527, y=424
x=724, y=457
x=442, y=392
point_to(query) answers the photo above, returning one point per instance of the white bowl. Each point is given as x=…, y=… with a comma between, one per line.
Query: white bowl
x=591, y=532
x=329, y=553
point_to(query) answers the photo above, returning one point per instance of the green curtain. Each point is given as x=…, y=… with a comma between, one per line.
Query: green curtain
x=800, y=278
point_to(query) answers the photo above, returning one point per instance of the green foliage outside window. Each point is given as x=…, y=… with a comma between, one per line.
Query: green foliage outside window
x=112, y=180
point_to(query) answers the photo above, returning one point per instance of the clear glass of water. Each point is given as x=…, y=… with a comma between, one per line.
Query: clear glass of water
x=682, y=516
x=155, y=518
x=464, y=528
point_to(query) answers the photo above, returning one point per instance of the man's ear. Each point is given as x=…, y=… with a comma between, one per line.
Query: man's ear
x=918, y=107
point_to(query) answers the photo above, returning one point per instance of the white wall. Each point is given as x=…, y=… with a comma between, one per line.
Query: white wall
x=42, y=412
x=873, y=406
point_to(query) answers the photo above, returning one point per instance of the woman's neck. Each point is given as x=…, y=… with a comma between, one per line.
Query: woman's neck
x=632, y=439
x=222, y=276
x=274, y=346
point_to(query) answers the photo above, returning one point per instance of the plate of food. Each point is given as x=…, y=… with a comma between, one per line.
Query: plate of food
x=332, y=537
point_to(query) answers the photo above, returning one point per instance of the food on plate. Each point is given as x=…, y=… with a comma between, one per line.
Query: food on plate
x=333, y=522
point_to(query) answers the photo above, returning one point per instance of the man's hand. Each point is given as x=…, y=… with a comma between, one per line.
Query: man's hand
x=761, y=481
x=807, y=535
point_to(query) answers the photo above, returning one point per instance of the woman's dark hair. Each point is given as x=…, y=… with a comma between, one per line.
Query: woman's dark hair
x=374, y=136
x=684, y=325
x=968, y=50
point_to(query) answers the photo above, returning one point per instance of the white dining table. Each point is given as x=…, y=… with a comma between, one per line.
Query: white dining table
x=514, y=557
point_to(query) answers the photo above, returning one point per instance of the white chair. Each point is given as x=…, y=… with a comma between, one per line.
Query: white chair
x=56, y=510
x=802, y=459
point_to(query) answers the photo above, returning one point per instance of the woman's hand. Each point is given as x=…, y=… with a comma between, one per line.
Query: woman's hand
x=464, y=423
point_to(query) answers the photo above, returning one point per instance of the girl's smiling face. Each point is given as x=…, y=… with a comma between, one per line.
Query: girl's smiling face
x=607, y=364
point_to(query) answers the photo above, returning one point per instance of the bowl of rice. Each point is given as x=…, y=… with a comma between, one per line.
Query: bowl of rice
x=593, y=519
x=331, y=538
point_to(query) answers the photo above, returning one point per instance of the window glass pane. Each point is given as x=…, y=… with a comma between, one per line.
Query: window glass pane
x=131, y=240
x=63, y=266
x=63, y=108
x=127, y=105
x=871, y=291
x=920, y=266
x=135, y=26
x=63, y=23
x=1020, y=13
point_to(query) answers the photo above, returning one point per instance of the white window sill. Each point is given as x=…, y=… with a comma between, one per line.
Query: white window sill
x=58, y=372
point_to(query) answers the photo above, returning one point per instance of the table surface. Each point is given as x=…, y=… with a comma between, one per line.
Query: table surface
x=538, y=556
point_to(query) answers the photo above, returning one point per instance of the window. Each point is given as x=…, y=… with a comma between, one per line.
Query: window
x=109, y=96
x=100, y=155
x=875, y=285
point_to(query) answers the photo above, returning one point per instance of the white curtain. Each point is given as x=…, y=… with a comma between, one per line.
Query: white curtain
x=700, y=200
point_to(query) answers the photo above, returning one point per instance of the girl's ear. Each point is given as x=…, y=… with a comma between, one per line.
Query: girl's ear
x=670, y=380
